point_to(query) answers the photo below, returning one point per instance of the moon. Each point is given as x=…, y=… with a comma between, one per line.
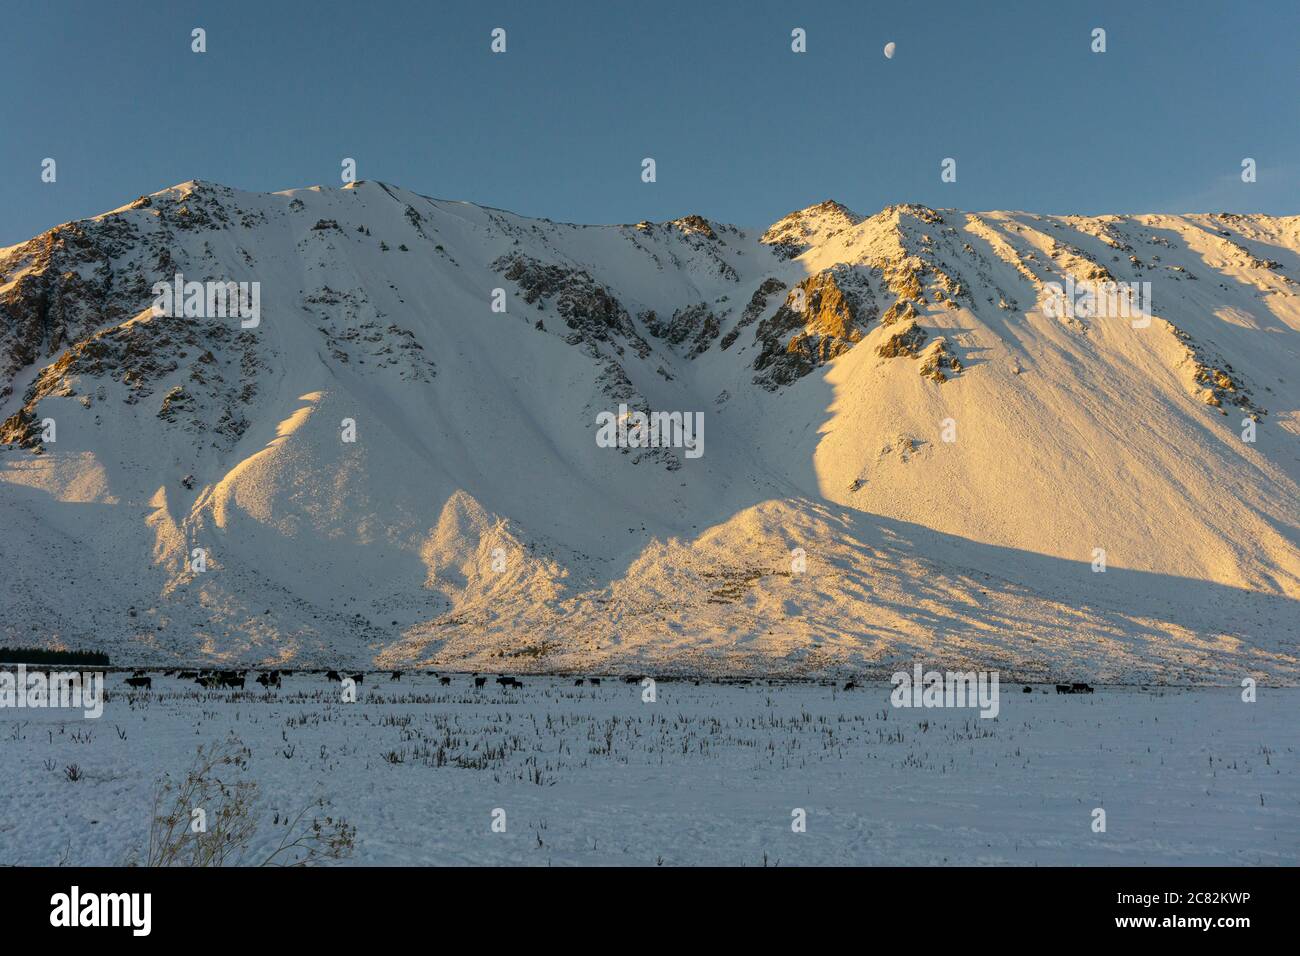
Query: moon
x=889, y=50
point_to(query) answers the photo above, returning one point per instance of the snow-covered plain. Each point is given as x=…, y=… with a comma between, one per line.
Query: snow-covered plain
x=709, y=773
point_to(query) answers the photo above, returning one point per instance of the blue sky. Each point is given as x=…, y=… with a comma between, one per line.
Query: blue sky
x=742, y=129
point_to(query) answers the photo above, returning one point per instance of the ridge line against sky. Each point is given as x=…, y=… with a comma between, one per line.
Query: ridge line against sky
x=742, y=129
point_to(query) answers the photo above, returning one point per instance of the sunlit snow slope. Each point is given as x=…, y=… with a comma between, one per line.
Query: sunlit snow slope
x=475, y=523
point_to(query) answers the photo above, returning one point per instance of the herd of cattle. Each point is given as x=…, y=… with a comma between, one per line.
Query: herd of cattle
x=269, y=679
x=1072, y=688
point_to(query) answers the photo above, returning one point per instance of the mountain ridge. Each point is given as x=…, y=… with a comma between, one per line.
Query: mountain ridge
x=824, y=353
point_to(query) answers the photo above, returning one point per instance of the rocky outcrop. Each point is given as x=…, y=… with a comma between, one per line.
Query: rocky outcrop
x=354, y=339
x=21, y=429
x=756, y=307
x=95, y=273
x=695, y=325
x=900, y=311
x=65, y=287
x=131, y=361
x=588, y=308
x=905, y=340
x=937, y=362
x=694, y=226
x=822, y=317
x=1213, y=380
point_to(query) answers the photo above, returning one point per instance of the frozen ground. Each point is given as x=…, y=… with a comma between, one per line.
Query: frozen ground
x=707, y=774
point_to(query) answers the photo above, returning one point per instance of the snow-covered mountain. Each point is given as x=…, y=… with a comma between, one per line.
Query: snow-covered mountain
x=905, y=454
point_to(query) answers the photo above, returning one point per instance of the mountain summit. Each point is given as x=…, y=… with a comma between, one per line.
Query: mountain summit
x=360, y=425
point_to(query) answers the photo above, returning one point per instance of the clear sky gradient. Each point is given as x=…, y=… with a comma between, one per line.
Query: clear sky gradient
x=742, y=129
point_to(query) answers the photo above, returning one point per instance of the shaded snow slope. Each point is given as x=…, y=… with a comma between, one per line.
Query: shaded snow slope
x=475, y=521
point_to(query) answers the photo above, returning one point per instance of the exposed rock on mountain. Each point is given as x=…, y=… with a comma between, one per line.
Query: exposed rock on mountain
x=823, y=316
x=695, y=323
x=588, y=309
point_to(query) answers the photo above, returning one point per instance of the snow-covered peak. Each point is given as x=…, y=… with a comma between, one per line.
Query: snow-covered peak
x=803, y=228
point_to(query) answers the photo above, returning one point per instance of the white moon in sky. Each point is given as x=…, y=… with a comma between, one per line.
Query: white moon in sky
x=889, y=50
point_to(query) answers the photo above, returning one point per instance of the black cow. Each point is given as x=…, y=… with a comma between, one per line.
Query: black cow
x=444, y=681
x=851, y=685
x=594, y=681
x=508, y=682
x=397, y=675
x=231, y=679
x=480, y=681
x=332, y=675
x=269, y=680
x=187, y=675
x=357, y=678
x=140, y=682
x=578, y=682
x=1082, y=688
x=1064, y=689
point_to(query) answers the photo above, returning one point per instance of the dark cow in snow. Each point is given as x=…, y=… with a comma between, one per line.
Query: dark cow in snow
x=332, y=675
x=444, y=681
x=480, y=681
x=140, y=682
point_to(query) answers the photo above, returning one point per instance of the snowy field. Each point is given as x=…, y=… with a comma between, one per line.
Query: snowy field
x=706, y=774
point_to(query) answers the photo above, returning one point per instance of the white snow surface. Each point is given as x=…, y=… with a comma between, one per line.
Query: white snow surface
x=1071, y=436
x=708, y=774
